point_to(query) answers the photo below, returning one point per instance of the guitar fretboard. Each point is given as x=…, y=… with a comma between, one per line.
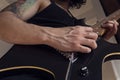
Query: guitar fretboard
x=97, y=27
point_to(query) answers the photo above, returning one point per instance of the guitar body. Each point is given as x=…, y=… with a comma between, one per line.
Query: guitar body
x=26, y=73
x=49, y=58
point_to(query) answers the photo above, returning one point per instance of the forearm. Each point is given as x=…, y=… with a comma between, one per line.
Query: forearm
x=14, y=30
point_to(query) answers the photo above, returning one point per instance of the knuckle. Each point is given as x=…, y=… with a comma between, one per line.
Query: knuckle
x=76, y=39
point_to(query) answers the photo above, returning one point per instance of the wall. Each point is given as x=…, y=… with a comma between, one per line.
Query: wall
x=4, y=47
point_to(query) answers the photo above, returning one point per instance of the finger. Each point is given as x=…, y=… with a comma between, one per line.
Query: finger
x=89, y=43
x=91, y=35
x=111, y=29
x=115, y=22
x=110, y=33
x=113, y=26
x=84, y=49
x=110, y=23
x=88, y=29
x=79, y=29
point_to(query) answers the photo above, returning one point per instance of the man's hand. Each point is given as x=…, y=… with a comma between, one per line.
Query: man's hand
x=78, y=39
x=111, y=29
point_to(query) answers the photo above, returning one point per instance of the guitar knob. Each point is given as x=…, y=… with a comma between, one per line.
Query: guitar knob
x=84, y=71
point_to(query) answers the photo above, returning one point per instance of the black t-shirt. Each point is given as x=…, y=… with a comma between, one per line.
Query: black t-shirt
x=54, y=16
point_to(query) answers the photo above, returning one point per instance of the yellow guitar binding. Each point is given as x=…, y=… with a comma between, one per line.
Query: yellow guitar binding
x=26, y=73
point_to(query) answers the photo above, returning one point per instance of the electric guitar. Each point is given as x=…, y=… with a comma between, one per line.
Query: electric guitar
x=81, y=67
x=26, y=73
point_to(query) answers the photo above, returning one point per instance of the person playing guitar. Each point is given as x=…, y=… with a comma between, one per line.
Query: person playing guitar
x=47, y=26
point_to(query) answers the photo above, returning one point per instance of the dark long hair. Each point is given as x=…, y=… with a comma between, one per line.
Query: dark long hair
x=76, y=3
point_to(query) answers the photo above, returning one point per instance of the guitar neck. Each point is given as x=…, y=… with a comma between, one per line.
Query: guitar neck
x=97, y=27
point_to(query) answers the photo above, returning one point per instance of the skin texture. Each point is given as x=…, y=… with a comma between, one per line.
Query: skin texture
x=22, y=8
x=14, y=29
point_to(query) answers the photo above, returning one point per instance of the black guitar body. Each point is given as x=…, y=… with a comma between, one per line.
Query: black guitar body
x=49, y=58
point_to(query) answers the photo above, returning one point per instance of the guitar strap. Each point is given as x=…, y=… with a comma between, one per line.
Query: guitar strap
x=6, y=3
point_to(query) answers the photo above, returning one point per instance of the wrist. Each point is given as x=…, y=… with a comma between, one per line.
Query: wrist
x=44, y=35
